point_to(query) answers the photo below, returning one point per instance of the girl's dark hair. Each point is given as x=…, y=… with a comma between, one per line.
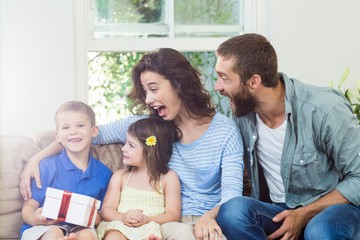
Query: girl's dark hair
x=252, y=54
x=185, y=79
x=158, y=156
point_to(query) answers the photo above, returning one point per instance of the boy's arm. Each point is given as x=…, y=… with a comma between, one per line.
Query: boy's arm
x=31, y=214
x=31, y=168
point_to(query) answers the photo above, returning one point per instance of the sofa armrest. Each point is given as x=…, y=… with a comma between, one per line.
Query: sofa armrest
x=14, y=152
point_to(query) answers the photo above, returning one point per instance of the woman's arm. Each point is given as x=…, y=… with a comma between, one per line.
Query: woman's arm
x=207, y=225
x=231, y=182
x=31, y=168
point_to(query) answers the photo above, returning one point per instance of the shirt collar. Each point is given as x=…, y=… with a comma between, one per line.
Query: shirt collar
x=68, y=165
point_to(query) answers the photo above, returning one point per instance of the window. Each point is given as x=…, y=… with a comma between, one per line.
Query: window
x=120, y=31
x=143, y=25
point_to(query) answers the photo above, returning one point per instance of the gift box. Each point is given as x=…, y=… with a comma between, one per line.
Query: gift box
x=69, y=207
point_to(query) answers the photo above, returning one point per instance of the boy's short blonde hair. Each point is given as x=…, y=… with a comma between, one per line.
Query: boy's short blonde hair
x=76, y=106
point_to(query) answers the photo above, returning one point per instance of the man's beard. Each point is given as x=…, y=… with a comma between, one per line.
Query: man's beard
x=244, y=102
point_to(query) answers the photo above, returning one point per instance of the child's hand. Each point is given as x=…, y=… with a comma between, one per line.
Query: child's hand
x=40, y=220
x=133, y=217
x=145, y=220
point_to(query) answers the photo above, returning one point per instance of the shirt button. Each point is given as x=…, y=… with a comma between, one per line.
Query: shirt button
x=254, y=137
x=301, y=161
x=248, y=149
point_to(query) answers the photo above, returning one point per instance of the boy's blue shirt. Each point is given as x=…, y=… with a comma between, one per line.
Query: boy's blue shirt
x=59, y=172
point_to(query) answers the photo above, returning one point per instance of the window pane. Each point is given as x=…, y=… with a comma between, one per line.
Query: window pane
x=129, y=18
x=109, y=84
x=207, y=18
x=166, y=18
x=207, y=12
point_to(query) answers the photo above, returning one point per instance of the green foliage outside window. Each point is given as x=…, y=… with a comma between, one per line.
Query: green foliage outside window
x=350, y=95
x=128, y=11
x=206, y=12
x=109, y=82
x=151, y=11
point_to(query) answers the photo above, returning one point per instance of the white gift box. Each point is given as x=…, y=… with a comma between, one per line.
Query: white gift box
x=69, y=207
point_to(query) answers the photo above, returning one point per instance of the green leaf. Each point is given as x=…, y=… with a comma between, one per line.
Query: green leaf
x=353, y=98
x=344, y=75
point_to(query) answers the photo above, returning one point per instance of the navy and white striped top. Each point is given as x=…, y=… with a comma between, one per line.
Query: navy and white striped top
x=210, y=169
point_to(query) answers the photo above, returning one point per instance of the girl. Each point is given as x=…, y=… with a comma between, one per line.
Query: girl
x=208, y=156
x=147, y=193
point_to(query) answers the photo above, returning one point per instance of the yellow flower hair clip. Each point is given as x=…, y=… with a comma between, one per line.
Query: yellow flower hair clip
x=151, y=141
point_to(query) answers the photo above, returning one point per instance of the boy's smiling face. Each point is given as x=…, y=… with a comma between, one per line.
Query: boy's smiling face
x=74, y=131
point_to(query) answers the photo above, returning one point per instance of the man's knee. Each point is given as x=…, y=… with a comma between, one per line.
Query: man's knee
x=235, y=207
x=335, y=222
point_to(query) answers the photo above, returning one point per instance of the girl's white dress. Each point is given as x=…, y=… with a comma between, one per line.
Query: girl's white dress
x=152, y=203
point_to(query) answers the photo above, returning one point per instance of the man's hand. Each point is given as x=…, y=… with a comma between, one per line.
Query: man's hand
x=293, y=224
x=31, y=170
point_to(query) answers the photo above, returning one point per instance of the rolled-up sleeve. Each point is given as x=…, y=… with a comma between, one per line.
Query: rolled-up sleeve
x=342, y=137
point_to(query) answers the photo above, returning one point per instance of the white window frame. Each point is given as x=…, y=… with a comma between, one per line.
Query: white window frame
x=84, y=42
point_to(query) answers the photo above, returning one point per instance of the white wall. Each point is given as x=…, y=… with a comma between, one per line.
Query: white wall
x=37, y=63
x=315, y=42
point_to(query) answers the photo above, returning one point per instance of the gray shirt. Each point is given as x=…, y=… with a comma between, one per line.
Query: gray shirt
x=321, y=148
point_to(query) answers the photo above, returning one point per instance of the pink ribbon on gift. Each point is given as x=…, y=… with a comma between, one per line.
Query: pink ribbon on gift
x=65, y=202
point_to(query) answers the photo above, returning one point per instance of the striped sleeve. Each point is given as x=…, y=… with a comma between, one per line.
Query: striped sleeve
x=232, y=166
x=114, y=132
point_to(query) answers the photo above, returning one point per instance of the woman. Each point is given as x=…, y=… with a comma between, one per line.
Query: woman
x=208, y=157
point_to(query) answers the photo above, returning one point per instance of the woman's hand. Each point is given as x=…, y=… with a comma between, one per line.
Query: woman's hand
x=207, y=228
x=31, y=169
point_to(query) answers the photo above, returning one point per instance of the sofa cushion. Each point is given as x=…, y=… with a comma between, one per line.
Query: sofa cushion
x=14, y=151
x=109, y=154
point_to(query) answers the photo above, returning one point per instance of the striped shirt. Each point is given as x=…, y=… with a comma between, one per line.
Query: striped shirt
x=210, y=169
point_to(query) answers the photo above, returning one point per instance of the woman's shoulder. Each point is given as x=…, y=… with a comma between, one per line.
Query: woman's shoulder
x=223, y=121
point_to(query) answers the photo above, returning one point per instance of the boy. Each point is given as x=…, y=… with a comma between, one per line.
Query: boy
x=74, y=170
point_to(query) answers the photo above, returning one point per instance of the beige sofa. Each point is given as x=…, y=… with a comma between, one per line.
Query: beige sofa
x=14, y=152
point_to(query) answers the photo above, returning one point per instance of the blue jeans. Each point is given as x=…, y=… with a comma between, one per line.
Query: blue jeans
x=248, y=218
